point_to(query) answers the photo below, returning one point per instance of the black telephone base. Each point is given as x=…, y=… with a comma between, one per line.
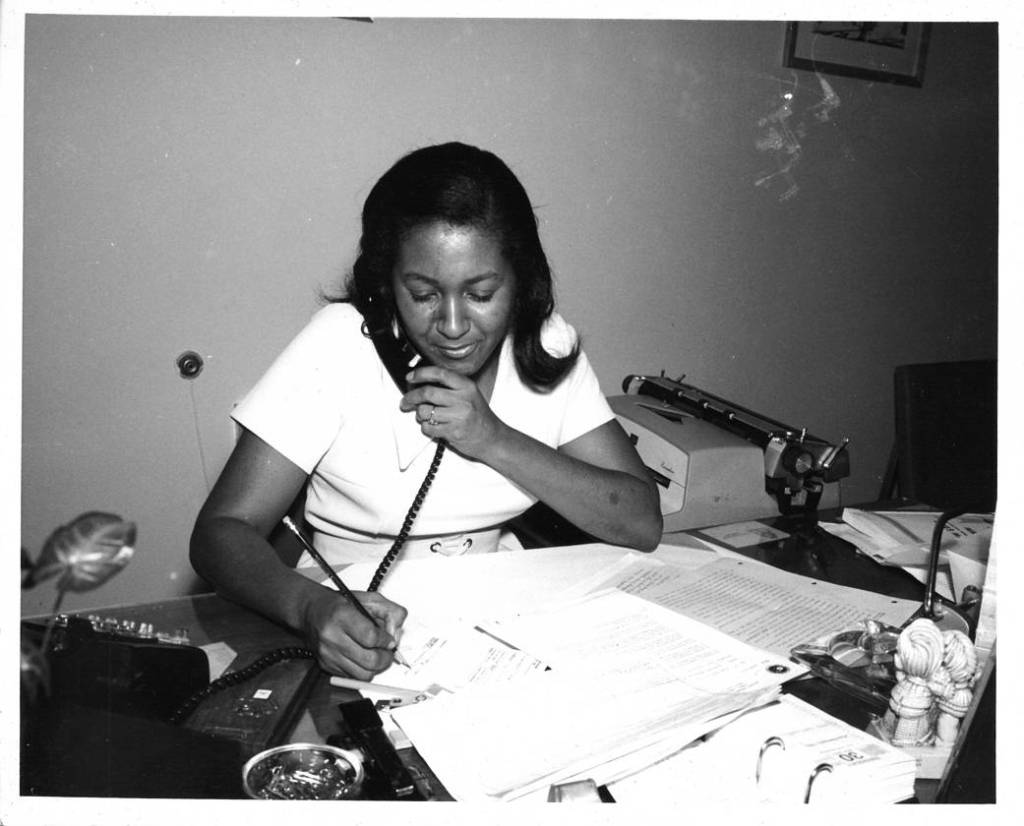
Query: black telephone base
x=259, y=712
x=141, y=677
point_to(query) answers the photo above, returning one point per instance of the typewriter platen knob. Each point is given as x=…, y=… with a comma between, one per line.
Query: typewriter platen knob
x=797, y=460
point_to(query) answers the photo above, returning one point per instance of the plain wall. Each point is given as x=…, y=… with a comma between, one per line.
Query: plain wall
x=190, y=184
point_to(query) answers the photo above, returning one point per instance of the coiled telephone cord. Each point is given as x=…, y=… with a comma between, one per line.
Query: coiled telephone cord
x=414, y=508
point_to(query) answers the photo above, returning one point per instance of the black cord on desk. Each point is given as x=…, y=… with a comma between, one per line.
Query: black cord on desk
x=236, y=677
x=928, y=608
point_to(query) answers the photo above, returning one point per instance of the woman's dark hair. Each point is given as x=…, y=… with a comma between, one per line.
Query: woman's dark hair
x=462, y=186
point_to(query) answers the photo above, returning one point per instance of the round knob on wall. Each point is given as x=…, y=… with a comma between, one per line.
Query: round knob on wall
x=190, y=364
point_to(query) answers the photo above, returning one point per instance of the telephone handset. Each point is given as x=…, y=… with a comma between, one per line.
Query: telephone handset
x=394, y=350
x=399, y=356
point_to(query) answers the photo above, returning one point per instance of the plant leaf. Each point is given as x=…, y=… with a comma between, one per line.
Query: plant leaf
x=86, y=552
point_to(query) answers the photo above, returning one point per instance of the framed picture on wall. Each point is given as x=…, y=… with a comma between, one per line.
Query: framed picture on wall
x=888, y=51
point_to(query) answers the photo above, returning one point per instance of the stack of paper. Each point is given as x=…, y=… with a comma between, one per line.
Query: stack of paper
x=903, y=539
x=645, y=657
x=785, y=752
x=630, y=683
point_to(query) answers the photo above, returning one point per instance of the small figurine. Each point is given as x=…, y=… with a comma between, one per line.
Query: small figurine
x=960, y=661
x=919, y=676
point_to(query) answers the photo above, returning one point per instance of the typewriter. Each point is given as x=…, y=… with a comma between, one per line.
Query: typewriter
x=716, y=461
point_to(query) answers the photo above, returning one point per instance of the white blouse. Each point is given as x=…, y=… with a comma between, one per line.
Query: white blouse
x=328, y=405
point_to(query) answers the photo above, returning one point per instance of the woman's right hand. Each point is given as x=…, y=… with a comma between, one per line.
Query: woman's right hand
x=345, y=642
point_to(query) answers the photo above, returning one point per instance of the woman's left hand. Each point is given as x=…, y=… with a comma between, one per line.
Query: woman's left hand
x=450, y=406
x=596, y=481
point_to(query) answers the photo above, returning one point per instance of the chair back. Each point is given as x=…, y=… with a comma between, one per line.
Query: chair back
x=945, y=447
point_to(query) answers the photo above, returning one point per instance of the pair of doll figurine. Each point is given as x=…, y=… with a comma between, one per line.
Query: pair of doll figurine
x=936, y=672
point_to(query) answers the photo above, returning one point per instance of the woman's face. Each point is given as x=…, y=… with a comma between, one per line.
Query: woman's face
x=453, y=292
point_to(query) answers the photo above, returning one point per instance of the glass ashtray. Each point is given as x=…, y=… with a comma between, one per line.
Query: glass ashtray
x=858, y=660
x=872, y=643
x=303, y=771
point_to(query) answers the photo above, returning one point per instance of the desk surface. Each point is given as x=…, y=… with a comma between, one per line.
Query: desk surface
x=811, y=551
x=808, y=550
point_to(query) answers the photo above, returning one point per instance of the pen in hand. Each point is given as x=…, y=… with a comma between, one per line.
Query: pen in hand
x=341, y=586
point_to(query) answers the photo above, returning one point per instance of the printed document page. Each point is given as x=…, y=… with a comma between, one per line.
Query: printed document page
x=627, y=677
x=756, y=603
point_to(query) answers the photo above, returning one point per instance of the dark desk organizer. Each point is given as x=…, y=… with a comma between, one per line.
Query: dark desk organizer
x=100, y=729
x=131, y=712
x=126, y=669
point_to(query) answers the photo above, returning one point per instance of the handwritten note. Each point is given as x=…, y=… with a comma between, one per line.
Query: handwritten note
x=453, y=656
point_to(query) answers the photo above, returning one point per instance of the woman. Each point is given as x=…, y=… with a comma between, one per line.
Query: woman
x=450, y=271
